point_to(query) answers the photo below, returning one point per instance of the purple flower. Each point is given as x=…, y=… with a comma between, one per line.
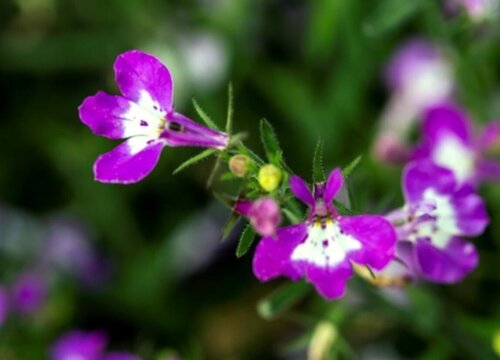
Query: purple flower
x=4, y=304
x=28, y=293
x=448, y=140
x=264, y=214
x=322, y=248
x=418, y=76
x=477, y=10
x=79, y=345
x=145, y=116
x=437, y=213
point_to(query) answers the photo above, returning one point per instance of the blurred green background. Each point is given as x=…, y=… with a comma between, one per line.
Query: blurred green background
x=313, y=69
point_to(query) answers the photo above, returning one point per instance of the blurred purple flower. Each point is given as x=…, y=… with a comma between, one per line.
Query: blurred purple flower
x=79, y=345
x=477, y=10
x=264, y=214
x=4, y=304
x=322, y=248
x=145, y=116
x=437, y=213
x=28, y=293
x=448, y=140
x=418, y=76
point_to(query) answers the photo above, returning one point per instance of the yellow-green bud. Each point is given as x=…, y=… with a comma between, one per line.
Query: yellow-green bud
x=269, y=177
x=496, y=342
x=324, y=336
x=239, y=165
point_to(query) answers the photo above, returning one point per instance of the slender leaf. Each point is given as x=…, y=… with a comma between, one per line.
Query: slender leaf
x=344, y=210
x=282, y=299
x=204, y=116
x=230, y=109
x=214, y=170
x=231, y=223
x=195, y=159
x=269, y=140
x=292, y=217
x=246, y=239
x=318, y=169
x=347, y=171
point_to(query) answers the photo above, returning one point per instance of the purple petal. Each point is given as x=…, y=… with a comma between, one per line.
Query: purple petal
x=29, y=293
x=79, y=345
x=470, y=210
x=243, y=207
x=116, y=117
x=333, y=184
x=143, y=79
x=377, y=237
x=183, y=131
x=301, y=190
x=273, y=255
x=448, y=265
x=488, y=170
x=422, y=175
x=490, y=136
x=129, y=162
x=329, y=282
x=446, y=119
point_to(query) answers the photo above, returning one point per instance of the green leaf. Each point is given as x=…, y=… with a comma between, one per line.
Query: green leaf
x=318, y=170
x=203, y=115
x=231, y=223
x=390, y=14
x=224, y=199
x=195, y=159
x=214, y=171
x=230, y=109
x=343, y=210
x=246, y=240
x=292, y=217
x=347, y=171
x=269, y=141
x=282, y=299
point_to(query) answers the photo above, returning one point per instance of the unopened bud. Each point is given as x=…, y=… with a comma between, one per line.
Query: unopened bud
x=239, y=165
x=269, y=177
x=265, y=216
x=323, y=338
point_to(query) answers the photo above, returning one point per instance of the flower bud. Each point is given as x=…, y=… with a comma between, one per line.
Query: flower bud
x=324, y=336
x=265, y=216
x=269, y=177
x=239, y=165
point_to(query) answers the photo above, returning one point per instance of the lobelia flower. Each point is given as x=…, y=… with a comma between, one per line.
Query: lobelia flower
x=477, y=10
x=28, y=293
x=322, y=248
x=145, y=116
x=437, y=214
x=79, y=345
x=448, y=141
x=264, y=214
x=418, y=76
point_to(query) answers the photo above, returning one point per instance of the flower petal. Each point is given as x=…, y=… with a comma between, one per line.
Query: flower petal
x=273, y=255
x=377, y=237
x=421, y=175
x=333, y=184
x=448, y=265
x=488, y=170
x=129, y=162
x=446, y=119
x=301, y=190
x=116, y=117
x=329, y=282
x=143, y=79
x=470, y=210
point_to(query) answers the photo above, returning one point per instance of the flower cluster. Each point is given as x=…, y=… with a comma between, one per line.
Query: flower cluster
x=427, y=234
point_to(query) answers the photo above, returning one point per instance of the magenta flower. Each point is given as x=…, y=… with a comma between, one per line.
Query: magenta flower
x=79, y=345
x=83, y=345
x=437, y=214
x=418, y=77
x=322, y=248
x=448, y=140
x=28, y=293
x=145, y=116
x=477, y=10
x=264, y=214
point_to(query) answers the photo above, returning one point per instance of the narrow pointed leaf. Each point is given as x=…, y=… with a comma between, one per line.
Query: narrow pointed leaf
x=203, y=115
x=195, y=159
x=246, y=240
x=291, y=216
x=230, y=109
x=347, y=171
x=269, y=140
x=282, y=299
x=343, y=210
x=231, y=223
x=318, y=169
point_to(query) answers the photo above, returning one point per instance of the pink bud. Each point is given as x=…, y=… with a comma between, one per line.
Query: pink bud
x=265, y=216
